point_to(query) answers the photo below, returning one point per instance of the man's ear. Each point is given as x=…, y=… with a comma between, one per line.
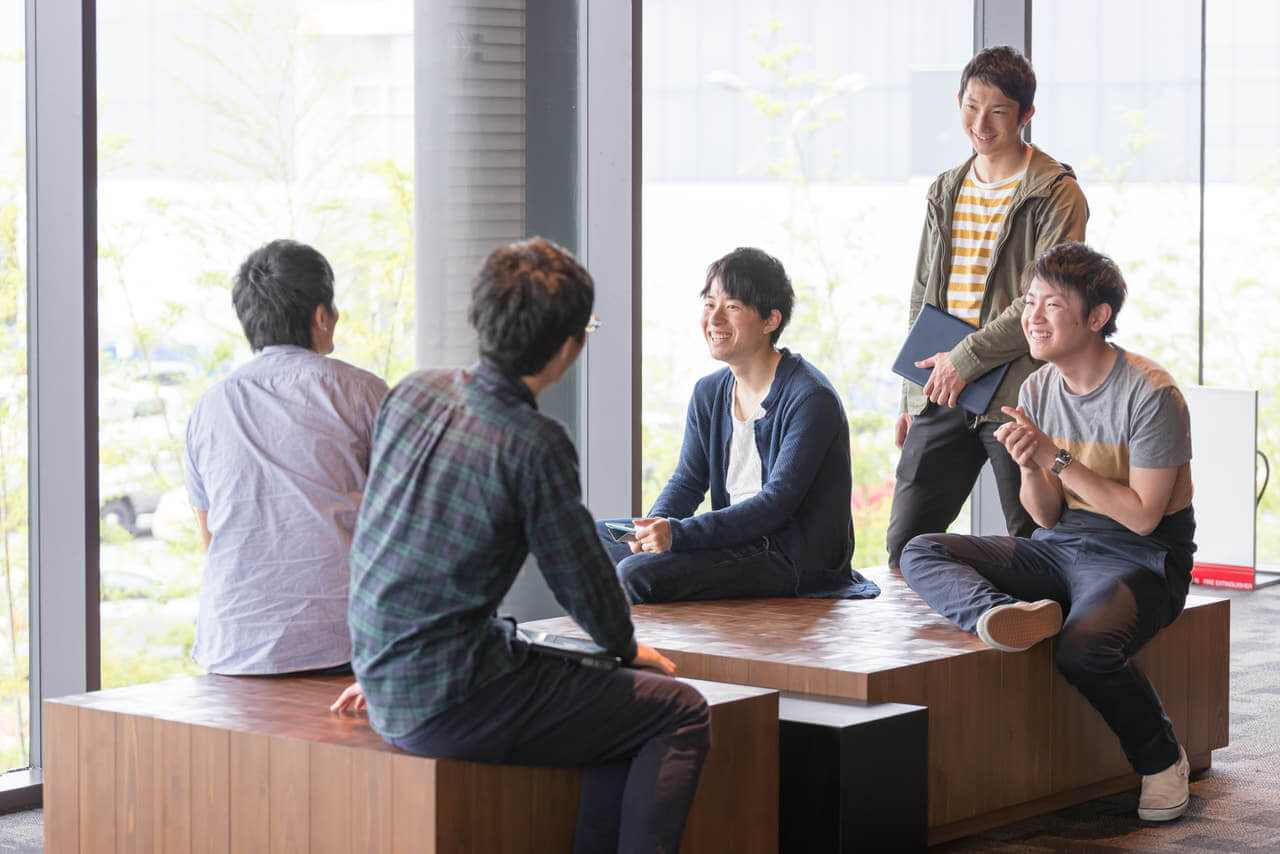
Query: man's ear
x=1031, y=111
x=1099, y=317
x=568, y=353
x=773, y=321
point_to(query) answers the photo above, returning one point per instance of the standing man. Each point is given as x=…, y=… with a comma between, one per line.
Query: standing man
x=768, y=436
x=276, y=458
x=467, y=479
x=1102, y=440
x=986, y=220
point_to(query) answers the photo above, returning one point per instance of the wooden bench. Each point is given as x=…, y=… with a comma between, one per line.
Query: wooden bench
x=243, y=764
x=1008, y=736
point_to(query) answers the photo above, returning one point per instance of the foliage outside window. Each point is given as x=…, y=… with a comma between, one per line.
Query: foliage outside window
x=223, y=126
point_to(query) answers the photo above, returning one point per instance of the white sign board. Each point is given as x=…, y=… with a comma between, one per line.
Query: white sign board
x=1224, y=441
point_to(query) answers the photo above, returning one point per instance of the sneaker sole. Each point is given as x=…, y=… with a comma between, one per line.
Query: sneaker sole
x=1020, y=627
x=1164, y=813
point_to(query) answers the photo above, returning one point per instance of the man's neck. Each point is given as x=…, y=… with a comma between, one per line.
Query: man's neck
x=752, y=379
x=1085, y=370
x=1001, y=166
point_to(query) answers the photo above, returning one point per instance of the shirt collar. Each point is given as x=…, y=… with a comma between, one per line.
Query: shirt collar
x=495, y=379
x=272, y=349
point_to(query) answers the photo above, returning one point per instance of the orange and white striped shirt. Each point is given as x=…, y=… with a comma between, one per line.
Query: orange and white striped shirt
x=975, y=225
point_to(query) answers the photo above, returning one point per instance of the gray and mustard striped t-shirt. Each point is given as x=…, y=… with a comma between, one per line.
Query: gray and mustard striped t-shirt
x=1136, y=417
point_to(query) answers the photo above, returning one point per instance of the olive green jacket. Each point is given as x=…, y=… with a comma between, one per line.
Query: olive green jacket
x=1048, y=208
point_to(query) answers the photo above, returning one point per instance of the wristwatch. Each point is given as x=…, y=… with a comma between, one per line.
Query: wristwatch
x=1061, y=461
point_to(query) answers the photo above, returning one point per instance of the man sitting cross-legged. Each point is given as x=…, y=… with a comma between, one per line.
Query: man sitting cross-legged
x=768, y=436
x=467, y=478
x=1103, y=441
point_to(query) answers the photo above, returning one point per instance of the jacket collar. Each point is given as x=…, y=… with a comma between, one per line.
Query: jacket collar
x=1042, y=172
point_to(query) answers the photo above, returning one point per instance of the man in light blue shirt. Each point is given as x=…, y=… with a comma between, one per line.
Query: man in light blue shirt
x=277, y=454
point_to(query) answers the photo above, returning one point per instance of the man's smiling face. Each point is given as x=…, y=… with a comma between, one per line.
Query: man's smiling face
x=734, y=331
x=990, y=119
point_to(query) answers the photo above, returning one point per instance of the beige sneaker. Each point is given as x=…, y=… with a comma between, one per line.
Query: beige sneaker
x=1165, y=794
x=1020, y=625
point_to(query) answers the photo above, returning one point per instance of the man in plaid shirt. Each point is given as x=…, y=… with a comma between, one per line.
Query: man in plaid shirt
x=467, y=478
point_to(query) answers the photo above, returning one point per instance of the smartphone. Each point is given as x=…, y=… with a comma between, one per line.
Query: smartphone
x=621, y=531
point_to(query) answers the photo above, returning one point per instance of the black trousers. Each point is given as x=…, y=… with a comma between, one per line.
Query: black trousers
x=941, y=458
x=641, y=737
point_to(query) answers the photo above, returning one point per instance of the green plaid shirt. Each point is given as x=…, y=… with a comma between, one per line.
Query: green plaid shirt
x=466, y=479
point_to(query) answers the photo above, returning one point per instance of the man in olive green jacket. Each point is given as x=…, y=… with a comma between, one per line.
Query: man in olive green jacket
x=986, y=220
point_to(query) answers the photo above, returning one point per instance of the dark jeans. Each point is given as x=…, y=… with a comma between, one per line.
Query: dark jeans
x=1113, y=593
x=753, y=569
x=941, y=459
x=641, y=736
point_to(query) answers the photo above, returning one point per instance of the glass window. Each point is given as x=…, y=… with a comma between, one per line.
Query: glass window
x=224, y=125
x=811, y=131
x=1242, y=223
x=14, y=640
x=1118, y=98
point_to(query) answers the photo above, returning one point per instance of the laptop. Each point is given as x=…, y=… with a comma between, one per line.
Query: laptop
x=583, y=652
x=934, y=332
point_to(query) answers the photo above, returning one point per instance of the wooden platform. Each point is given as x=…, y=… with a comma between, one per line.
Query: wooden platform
x=1008, y=736
x=243, y=764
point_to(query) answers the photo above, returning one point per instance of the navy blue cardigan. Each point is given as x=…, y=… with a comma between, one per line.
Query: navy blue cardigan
x=803, y=506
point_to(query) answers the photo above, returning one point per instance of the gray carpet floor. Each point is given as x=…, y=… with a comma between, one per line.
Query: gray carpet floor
x=1235, y=806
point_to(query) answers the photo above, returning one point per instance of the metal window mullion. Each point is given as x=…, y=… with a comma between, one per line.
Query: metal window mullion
x=996, y=22
x=62, y=351
x=610, y=91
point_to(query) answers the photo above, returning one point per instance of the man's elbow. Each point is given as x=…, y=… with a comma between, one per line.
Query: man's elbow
x=1147, y=523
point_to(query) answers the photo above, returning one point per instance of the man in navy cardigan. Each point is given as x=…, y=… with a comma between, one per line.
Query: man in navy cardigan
x=768, y=436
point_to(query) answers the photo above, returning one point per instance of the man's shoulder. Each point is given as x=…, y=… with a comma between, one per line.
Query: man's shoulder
x=805, y=387
x=1044, y=171
x=804, y=378
x=356, y=375
x=1147, y=373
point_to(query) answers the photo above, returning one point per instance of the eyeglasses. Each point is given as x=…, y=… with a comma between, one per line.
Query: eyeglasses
x=593, y=324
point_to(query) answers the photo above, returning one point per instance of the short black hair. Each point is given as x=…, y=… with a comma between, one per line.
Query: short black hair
x=1005, y=68
x=1092, y=275
x=754, y=278
x=276, y=292
x=527, y=300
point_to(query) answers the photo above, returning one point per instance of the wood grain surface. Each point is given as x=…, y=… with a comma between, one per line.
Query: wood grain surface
x=236, y=764
x=1004, y=729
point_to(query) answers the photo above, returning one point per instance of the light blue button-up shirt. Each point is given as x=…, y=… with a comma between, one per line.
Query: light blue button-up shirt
x=277, y=453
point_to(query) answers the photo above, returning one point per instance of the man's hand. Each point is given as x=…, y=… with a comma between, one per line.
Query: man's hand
x=1030, y=448
x=900, y=428
x=652, y=535
x=350, y=700
x=945, y=382
x=650, y=658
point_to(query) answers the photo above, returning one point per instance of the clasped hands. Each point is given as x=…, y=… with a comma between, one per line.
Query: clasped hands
x=1030, y=448
x=652, y=536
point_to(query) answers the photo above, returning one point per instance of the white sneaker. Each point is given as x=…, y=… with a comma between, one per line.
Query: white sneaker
x=1165, y=795
x=1020, y=625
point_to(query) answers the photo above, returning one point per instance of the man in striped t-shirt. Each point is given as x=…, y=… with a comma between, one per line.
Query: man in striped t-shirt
x=981, y=209
x=986, y=219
